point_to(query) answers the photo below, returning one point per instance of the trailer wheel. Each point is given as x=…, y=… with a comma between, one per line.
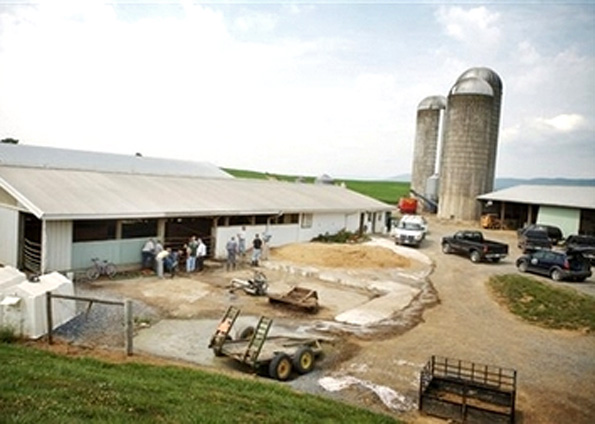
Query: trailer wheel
x=246, y=333
x=303, y=360
x=280, y=367
x=475, y=256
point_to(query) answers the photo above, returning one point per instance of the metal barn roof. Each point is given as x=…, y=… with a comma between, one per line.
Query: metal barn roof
x=56, y=194
x=582, y=197
x=49, y=157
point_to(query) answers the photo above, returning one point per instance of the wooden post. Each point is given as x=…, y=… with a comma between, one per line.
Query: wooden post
x=48, y=309
x=129, y=326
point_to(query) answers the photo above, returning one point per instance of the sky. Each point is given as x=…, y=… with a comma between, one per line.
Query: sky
x=299, y=88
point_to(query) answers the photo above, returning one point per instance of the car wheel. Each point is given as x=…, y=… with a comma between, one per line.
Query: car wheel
x=523, y=266
x=581, y=279
x=556, y=274
x=475, y=256
x=446, y=248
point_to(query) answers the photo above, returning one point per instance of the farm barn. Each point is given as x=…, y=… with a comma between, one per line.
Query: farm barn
x=60, y=208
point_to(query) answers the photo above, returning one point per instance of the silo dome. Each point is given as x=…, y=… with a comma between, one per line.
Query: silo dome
x=432, y=102
x=466, y=150
x=429, y=114
x=485, y=74
x=472, y=85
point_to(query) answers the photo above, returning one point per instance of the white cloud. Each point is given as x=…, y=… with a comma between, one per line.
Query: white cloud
x=475, y=26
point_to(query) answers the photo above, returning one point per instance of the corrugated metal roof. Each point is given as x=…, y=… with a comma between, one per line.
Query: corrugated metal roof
x=70, y=194
x=53, y=158
x=582, y=197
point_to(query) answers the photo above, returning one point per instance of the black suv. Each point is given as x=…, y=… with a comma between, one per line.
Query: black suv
x=533, y=239
x=552, y=232
x=556, y=265
x=582, y=244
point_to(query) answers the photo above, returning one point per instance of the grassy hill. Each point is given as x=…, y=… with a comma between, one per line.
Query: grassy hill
x=385, y=191
x=41, y=387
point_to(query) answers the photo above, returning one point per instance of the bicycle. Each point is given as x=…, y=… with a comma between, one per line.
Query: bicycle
x=101, y=268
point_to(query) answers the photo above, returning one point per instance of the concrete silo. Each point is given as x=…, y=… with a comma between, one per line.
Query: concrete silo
x=425, y=149
x=495, y=82
x=466, y=149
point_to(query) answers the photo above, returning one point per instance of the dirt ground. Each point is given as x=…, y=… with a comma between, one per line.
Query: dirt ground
x=556, y=369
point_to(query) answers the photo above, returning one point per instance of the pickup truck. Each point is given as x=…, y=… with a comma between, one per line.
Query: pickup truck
x=472, y=244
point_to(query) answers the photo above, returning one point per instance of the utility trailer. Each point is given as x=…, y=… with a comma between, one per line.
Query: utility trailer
x=298, y=297
x=276, y=356
x=467, y=392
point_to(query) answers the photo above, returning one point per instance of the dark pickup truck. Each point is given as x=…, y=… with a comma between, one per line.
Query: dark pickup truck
x=472, y=244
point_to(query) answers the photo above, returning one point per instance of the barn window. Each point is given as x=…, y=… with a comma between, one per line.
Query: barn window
x=94, y=230
x=136, y=228
x=307, y=220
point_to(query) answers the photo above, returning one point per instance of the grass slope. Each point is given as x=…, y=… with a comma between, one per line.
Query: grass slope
x=544, y=304
x=41, y=387
x=385, y=191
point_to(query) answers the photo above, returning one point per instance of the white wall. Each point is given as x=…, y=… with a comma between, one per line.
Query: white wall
x=9, y=236
x=568, y=220
x=288, y=233
x=57, y=246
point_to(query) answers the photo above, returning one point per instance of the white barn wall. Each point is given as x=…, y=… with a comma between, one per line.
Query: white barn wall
x=57, y=246
x=567, y=219
x=9, y=233
x=283, y=234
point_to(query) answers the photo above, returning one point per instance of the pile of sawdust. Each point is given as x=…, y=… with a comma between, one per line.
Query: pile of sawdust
x=340, y=255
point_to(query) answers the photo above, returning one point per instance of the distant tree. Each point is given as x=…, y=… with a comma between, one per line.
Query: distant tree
x=10, y=141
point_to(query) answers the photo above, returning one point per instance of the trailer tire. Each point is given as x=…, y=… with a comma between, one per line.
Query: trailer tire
x=280, y=367
x=303, y=360
x=246, y=333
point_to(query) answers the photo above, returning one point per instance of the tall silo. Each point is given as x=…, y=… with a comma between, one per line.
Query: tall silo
x=466, y=149
x=425, y=149
x=495, y=82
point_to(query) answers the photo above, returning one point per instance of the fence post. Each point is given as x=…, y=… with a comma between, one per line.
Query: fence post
x=129, y=326
x=48, y=309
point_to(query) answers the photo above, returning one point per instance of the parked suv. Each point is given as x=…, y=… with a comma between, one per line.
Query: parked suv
x=552, y=232
x=534, y=239
x=556, y=265
x=582, y=244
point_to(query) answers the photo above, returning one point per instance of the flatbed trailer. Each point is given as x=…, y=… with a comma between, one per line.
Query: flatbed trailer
x=278, y=356
x=467, y=392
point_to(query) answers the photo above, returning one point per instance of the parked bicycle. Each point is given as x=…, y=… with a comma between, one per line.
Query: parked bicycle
x=100, y=268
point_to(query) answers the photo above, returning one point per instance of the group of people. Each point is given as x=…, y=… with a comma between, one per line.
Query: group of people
x=194, y=253
x=155, y=256
x=237, y=248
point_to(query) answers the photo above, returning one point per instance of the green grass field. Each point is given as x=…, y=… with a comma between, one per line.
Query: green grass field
x=544, y=304
x=40, y=387
x=385, y=191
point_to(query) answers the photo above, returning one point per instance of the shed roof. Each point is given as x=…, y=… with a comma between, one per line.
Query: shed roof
x=582, y=197
x=56, y=194
x=54, y=158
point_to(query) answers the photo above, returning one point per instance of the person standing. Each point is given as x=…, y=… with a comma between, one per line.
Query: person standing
x=191, y=251
x=242, y=241
x=201, y=254
x=256, y=250
x=159, y=258
x=148, y=253
x=232, y=250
